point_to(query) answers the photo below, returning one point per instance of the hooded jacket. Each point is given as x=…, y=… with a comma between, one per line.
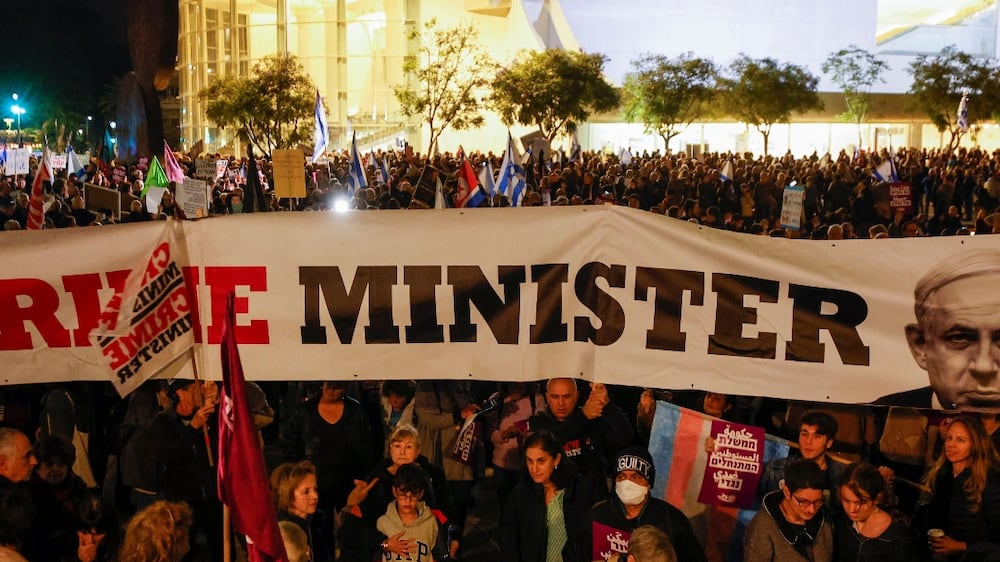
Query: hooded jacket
x=421, y=533
x=771, y=537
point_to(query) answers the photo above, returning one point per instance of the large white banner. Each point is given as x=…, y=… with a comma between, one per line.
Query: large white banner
x=604, y=293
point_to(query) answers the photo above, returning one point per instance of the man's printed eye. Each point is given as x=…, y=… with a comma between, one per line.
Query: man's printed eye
x=961, y=338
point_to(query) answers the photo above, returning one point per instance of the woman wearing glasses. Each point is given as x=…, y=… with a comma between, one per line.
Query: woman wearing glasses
x=792, y=522
x=961, y=512
x=864, y=531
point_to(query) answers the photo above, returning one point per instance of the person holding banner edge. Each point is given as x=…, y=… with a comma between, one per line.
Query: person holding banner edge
x=174, y=457
x=588, y=434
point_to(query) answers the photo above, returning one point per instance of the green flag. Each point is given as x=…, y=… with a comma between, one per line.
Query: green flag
x=156, y=176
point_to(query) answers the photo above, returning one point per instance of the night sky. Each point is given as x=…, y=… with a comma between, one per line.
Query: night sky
x=60, y=55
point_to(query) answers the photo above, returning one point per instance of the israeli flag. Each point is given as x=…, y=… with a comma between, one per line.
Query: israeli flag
x=727, y=171
x=886, y=171
x=386, y=178
x=73, y=164
x=575, y=149
x=511, y=180
x=356, y=177
x=486, y=179
x=963, y=113
x=321, y=135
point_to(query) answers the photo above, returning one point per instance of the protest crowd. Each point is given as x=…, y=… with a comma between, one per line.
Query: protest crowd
x=554, y=470
x=843, y=197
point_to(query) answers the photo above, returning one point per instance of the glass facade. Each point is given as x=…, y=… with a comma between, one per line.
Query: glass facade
x=354, y=52
x=352, y=49
x=924, y=27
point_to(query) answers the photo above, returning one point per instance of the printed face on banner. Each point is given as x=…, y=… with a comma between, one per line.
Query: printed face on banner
x=959, y=342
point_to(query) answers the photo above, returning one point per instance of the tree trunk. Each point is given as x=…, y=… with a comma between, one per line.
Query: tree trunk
x=667, y=137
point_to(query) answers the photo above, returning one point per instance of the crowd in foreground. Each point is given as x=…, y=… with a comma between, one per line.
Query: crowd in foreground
x=844, y=196
x=371, y=471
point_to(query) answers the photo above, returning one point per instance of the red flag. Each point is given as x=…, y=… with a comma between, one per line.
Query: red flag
x=242, y=476
x=469, y=194
x=36, y=209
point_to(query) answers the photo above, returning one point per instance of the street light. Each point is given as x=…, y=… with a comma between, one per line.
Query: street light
x=19, y=111
x=114, y=138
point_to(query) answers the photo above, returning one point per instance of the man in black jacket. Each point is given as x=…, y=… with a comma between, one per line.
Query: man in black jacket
x=588, y=434
x=175, y=456
x=606, y=528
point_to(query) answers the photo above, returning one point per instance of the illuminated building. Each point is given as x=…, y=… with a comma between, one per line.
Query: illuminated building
x=354, y=49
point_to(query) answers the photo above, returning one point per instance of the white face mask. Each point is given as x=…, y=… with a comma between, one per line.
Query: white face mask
x=631, y=493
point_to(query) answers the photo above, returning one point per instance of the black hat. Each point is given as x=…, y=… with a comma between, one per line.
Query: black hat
x=637, y=459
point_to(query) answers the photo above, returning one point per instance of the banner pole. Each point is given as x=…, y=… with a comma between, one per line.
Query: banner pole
x=227, y=534
x=201, y=399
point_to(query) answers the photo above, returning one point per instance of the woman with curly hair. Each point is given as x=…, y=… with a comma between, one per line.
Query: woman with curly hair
x=964, y=494
x=158, y=533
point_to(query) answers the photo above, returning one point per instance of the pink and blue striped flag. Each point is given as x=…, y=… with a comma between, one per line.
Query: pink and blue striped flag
x=684, y=467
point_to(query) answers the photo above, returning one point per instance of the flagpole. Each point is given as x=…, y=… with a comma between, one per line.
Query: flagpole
x=227, y=534
x=204, y=428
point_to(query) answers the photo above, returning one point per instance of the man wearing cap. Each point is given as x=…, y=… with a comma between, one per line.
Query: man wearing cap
x=609, y=524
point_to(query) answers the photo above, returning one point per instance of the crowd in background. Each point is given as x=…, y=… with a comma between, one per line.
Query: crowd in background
x=843, y=198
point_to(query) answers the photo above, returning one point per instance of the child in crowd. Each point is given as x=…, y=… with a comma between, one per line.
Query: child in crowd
x=409, y=525
x=397, y=404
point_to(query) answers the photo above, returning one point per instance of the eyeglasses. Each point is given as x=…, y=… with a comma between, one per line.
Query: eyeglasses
x=409, y=496
x=807, y=503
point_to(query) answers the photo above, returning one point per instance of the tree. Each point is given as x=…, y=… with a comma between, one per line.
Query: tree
x=272, y=108
x=444, y=78
x=762, y=92
x=552, y=89
x=855, y=70
x=938, y=84
x=667, y=95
